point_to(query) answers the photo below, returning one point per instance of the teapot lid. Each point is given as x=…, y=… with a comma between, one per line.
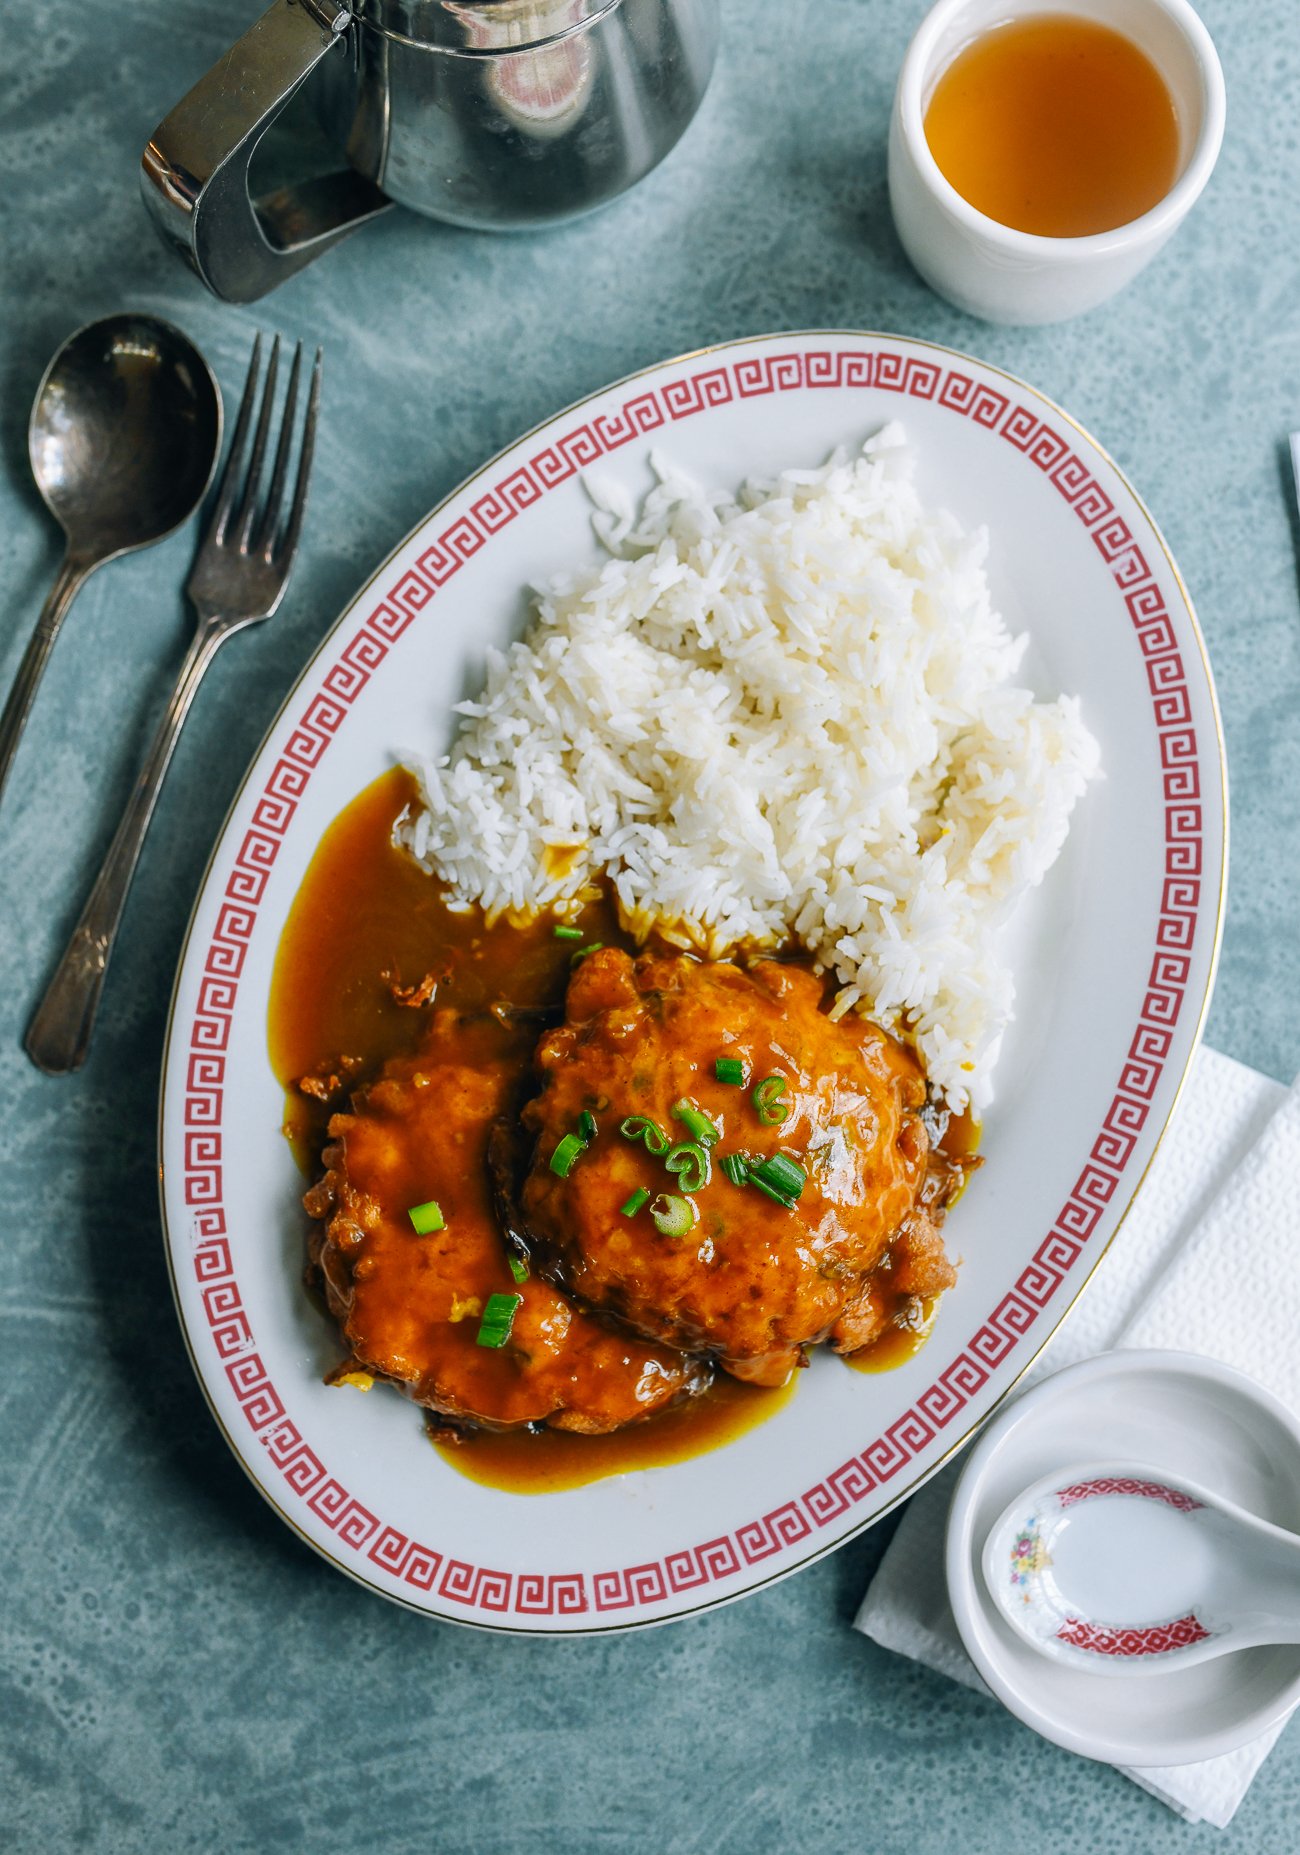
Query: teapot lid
x=472, y=28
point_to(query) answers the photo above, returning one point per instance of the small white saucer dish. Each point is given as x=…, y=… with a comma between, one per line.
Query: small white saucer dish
x=1199, y=1420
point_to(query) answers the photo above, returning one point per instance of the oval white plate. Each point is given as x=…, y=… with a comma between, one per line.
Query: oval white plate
x=1114, y=964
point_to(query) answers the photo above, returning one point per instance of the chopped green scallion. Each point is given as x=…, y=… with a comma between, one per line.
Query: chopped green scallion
x=690, y=1161
x=766, y=1098
x=498, y=1318
x=565, y=1154
x=640, y=1127
x=581, y=953
x=587, y=1124
x=697, y=1125
x=785, y=1174
x=518, y=1268
x=673, y=1216
x=735, y=1166
x=426, y=1218
x=771, y=1191
x=634, y=1203
x=730, y=1069
x=567, y=933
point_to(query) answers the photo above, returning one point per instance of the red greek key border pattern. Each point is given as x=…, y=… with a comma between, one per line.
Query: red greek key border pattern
x=561, y=1595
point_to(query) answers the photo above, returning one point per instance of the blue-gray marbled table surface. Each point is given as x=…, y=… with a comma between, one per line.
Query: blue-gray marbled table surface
x=178, y=1671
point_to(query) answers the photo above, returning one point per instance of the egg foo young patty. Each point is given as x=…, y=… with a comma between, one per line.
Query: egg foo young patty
x=650, y=1207
x=416, y=1306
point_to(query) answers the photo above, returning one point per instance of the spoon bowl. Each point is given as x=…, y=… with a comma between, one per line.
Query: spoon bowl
x=123, y=439
x=124, y=433
x=1124, y=1569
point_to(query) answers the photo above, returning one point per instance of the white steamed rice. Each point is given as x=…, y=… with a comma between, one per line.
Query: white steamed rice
x=786, y=714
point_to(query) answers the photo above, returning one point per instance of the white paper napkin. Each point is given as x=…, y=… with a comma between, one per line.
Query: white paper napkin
x=1222, y=1184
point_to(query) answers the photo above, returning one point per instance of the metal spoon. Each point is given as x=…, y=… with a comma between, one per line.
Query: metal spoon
x=124, y=436
x=1125, y=1569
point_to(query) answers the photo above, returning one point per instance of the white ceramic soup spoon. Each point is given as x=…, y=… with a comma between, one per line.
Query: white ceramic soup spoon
x=1125, y=1569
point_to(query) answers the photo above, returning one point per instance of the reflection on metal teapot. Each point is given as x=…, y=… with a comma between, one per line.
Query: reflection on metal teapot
x=503, y=115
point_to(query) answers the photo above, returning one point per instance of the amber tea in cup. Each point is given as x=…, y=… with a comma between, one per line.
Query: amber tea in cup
x=1055, y=156
x=1055, y=124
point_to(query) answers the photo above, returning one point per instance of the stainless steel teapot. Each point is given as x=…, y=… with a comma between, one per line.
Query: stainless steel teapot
x=499, y=114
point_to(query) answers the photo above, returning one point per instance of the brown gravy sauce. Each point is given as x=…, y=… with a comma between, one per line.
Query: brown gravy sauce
x=545, y=1462
x=903, y=1341
x=365, y=914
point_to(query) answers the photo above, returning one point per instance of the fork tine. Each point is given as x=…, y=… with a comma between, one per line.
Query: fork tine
x=248, y=503
x=289, y=539
x=230, y=475
x=265, y=536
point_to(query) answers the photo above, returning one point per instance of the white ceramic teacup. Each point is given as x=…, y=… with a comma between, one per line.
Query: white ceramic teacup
x=994, y=271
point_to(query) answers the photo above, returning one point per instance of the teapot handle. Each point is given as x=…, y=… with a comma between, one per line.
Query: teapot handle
x=195, y=168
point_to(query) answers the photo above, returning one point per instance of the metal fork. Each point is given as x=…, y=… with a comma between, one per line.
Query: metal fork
x=238, y=578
